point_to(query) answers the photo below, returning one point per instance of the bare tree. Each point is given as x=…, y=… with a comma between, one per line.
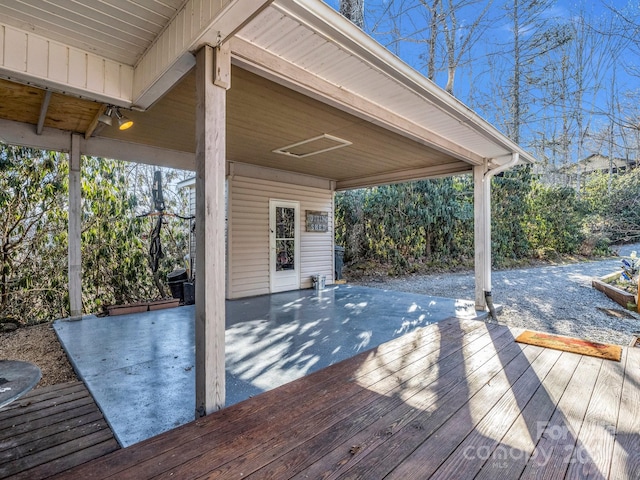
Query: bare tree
x=530, y=39
x=354, y=11
x=459, y=37
x=448, y=29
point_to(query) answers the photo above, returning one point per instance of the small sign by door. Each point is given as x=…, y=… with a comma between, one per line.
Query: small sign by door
x=317, y=221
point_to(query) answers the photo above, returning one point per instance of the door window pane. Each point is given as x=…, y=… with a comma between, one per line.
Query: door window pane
x=285, y=238
x=285, y=222
x=286, y=255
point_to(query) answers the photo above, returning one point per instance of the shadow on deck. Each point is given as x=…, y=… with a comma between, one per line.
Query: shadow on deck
x=456, y=399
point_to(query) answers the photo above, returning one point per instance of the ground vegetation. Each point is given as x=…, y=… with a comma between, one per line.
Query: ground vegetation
x=116, y=196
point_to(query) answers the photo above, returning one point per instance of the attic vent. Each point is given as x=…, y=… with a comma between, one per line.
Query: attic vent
x=312, y=146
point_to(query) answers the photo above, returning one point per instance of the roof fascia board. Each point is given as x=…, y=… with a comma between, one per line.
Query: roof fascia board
x=401, y=176
x=26, y=57
x=189, y=182
x=275, y=68
x=170, y=56
x=322, y=19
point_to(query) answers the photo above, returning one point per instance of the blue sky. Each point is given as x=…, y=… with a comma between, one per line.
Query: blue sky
x=480, y=81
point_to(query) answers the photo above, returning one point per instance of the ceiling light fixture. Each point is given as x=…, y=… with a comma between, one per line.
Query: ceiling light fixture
x=114, y=112
x=106, y=116
x=123, y=122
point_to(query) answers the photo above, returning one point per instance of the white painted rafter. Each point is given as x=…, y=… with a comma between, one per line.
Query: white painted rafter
x=44, y=107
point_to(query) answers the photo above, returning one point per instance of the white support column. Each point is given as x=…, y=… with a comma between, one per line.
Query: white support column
x=74, y=230
x=480, y=224
x=482, y=228
x=213, y=70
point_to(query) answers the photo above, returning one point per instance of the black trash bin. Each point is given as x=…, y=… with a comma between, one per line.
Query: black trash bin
x=339, y=261
x=189, y=293
x=176, y=281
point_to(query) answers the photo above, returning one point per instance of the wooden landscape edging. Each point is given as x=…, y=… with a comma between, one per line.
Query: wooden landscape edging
x=143, y=306
x=616, y=294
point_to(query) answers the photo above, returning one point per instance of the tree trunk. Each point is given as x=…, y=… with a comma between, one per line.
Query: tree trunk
x=158, y=284
x=354, y=11
x=515, y=92
x=433, y=39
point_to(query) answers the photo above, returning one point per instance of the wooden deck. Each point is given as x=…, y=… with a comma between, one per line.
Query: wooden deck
x=458, y=399
x=51, y=430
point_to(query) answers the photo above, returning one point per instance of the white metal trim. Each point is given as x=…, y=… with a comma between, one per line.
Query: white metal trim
x=280, y=176
x=405, y=176
x=287, y=149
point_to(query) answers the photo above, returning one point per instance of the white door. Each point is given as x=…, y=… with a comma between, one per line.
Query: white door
x=284, y=243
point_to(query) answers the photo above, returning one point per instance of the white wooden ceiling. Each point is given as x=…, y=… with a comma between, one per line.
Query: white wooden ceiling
x=121, y=30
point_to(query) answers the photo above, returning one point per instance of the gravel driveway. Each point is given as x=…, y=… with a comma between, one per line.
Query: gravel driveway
x=555, y=299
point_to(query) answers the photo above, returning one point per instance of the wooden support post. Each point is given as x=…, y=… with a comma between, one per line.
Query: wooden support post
x=480, y=223
x=75, y=229
x=211, y=64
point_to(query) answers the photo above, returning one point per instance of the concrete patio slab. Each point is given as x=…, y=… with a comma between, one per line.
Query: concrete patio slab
x=140, y=367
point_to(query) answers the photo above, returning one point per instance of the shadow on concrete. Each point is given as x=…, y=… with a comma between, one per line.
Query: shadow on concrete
x=140, y=367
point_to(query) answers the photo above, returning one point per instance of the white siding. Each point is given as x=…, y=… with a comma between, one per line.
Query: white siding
x=29, y=57
x=248, y=265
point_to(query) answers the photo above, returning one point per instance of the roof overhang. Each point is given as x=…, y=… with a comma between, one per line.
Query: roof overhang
x=301, y=71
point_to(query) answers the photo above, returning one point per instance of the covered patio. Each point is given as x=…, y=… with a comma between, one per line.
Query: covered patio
x=141, y=372
x=280, y=103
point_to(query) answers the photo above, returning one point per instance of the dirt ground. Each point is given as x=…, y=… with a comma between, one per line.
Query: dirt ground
x=38, y=344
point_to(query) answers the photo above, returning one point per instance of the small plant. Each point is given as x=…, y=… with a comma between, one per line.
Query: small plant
x=630, y=266
x=628, y=279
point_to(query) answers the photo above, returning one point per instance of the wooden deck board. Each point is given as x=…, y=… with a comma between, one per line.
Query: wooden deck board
x=61, y=464
x=51, y=430
x=459, y=399
x=429, y=453
x=395, y=389
x=559, y=436
x=508, y=460
x=40, y=395
x=330, y=449
x=427, y=421
x=486, y=435
x=341, y=459
x=626, y=451
x=593, y=455
x=367, y=407
x=381, y=370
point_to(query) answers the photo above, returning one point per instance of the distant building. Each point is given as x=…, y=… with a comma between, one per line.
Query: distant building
x=577, y=172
